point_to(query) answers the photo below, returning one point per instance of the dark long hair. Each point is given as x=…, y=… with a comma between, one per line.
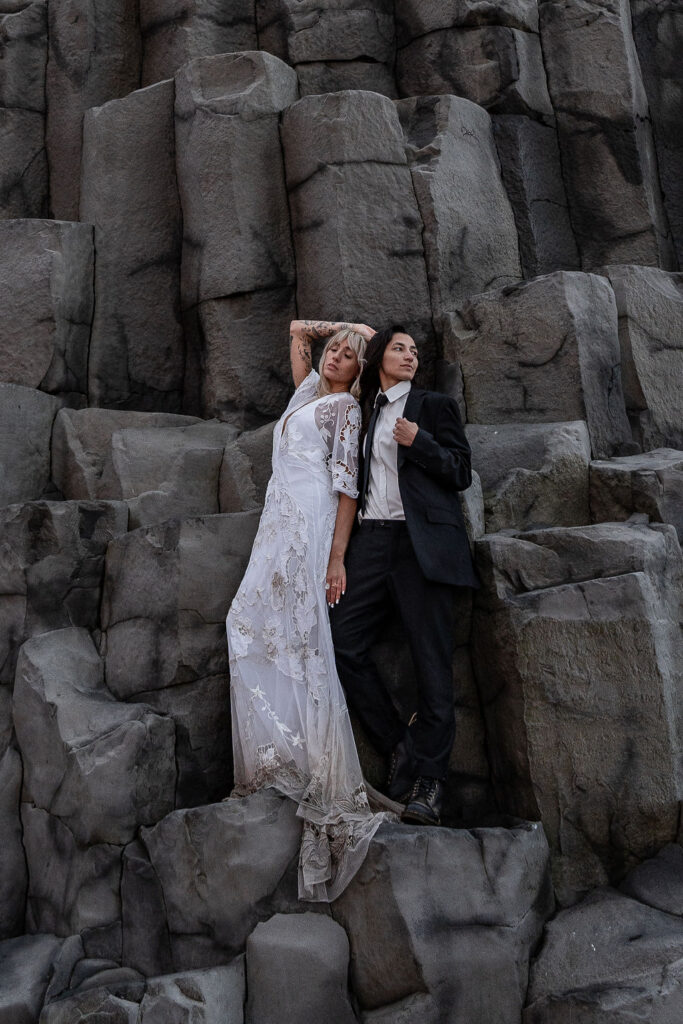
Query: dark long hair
x=369, y=378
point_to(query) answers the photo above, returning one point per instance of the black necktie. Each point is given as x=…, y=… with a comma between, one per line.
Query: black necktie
x=380, y=401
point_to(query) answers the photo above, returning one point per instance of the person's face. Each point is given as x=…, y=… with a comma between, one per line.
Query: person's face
x=341, y=365
x=399, y=361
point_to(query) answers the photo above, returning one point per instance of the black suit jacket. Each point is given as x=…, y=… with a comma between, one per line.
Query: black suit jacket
x=431, y=471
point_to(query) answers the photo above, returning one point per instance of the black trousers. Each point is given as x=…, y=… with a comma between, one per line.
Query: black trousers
x=383, y=575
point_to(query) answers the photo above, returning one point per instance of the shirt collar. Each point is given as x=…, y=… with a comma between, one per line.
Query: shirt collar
x=396, y=391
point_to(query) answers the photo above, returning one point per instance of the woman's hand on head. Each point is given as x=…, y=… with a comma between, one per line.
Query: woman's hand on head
x=365, y=331
x=335, y=581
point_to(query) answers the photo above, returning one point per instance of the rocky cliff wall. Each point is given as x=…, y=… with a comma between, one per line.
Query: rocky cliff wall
x=179, y=179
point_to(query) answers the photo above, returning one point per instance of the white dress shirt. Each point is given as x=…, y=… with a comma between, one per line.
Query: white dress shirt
x=384, y=497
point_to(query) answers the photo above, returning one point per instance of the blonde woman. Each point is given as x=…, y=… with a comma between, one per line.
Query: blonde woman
x=290, y=726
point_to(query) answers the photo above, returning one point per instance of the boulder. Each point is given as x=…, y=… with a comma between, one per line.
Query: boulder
x=544, y=351
x=83, y=441
x=497, y=67
x=356, y=223
x=608, y=157
x=177, y=32
x=146, y=940
x=130, y=193
x=94, y=56
x=651, y=483
x=52, y=569
x=102, y=767
x=283, y=951
x=73, y=889
x=168, y=589
x=26, y=418
x=650, y=308
x=46, y=275
x=608, y=959
x=530, y=166
x=94, y=1005
x=246, y=470
x=658, y=882
x=532, y=474
x=23, y=163
x=26, y=965
x=658, y=35
x=164, y=472
x=13, y=878
x=575, y=639
x=457, y=182
x=238, y=266
x=222, y=869
x=464, y=910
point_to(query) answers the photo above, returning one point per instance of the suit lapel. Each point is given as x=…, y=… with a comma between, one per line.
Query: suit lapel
x=411, y=412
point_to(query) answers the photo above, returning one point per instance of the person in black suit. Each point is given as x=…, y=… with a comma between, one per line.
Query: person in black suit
x=410, y=551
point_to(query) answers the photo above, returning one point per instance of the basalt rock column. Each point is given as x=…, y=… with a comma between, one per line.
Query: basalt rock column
x=177, y=31
x=608, y=157
x=238, y=265
x=457, y=183
x=94, y=57
x=130, y=193
x=23, y=163
x=46, y=279
x=356, y=222
x=332, y=44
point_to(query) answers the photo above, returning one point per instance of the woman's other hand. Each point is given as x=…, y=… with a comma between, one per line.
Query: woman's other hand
x=335, y=581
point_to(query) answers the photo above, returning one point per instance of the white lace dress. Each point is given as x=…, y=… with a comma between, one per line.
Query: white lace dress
x=290, y=725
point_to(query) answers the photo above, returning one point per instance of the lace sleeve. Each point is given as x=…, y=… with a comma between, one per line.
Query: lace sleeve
x=339, y=422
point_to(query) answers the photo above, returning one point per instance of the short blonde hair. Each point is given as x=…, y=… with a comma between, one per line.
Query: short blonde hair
x=357, y=344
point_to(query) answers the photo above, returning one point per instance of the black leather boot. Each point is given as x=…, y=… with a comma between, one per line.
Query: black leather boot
x=401, y=770
x=424, y=802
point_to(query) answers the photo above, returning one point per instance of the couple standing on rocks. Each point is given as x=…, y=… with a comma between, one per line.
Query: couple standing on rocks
x=356, y=442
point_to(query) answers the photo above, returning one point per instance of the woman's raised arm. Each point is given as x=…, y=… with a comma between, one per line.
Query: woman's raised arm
x=301, y=334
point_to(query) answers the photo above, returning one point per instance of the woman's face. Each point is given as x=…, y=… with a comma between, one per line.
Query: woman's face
x=399, y=361
x=341, y=364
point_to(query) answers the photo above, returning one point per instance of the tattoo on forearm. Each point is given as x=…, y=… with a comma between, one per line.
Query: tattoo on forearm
x=317, y=330
x=305, y=356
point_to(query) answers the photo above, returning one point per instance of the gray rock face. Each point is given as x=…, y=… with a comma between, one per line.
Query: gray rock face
x=13, y=879
x=25, y=970
x=356, y=224
x=177, y=32
x=544, y=351
x=46, y=276
x=658, y=882
x=167, y=592
x=575, y=637
x=26, y=418
x=282, y=952
x=532, y=474
x=98, y=1004
x=238, y=265
x=650, y=308
x=608, y=959
x=94, y=56
x=240, y=850
x=332, y=45
x=23, y=163
x=530, y=166
x=246, y=470
x=456, y=176
x=102, y=767
x=129, y=192
x=83, y=442
x=498, y=67
x=52, y=569
x=608, y=157
x=463, y=933
x=658, y=34
x=163, y=472
x=651, y=483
